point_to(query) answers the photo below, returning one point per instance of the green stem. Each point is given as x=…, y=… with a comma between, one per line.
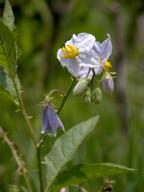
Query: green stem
x=41, y=139
x=27, y=182
x=66, y=96
x=23, y=111
x=19, y=161
x=21, y=104
x=40, y=166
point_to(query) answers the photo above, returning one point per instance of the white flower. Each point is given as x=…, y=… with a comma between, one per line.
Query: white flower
x=76, y=48
x=83, y=56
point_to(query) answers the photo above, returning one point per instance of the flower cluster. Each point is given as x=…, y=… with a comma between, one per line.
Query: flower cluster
x=87, y=59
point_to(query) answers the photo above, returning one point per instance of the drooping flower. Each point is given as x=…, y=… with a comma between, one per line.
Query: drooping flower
x=50, y=120
x=76, y=48
x=107, y=82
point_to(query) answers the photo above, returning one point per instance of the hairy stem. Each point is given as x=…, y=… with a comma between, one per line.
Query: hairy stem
x=21, y=170
x=23, y=110
x=24, y=113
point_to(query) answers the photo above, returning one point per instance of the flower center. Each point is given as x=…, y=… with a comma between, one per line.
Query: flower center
x=107, y=66
x=70, y=51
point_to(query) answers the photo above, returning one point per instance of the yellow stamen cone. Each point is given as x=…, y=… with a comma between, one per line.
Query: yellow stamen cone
x=107, y=66
x=70, y=51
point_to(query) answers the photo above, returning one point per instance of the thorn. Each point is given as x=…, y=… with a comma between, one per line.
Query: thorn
x=21, y=91
x=17, y=110
x=30, y=117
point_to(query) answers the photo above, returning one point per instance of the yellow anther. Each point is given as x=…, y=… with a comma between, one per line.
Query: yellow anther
x=70, y=51
x=107, y=66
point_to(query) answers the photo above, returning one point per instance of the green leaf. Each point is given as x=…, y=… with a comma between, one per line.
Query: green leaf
x=6, y=83
x=84, y=172
x=7, y=49
x=65, y=146
x=8, y=57
x=8, y=16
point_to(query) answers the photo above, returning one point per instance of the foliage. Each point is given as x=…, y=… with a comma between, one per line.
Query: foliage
x=84, y=172
x=65, y=146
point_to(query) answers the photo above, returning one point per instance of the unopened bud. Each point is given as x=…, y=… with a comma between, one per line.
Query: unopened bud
x=87, y=96
x=80, y=86
x=63, y=189
x=108, y=84
x=96, y=95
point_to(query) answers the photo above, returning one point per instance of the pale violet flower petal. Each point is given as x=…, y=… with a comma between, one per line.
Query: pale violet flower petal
x=88, y=59
x=73, y=67
x=106, y=48
x=71, y=64
x=98, y=70
x=82, y=41
x=89, y=72
x=45, y=123
x=61, y=59
x=108, y=84
x=54, y=120
x=97, y=48
x=50, y=120
x=85, y=72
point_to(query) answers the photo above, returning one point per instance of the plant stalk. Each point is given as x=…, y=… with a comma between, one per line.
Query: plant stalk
x=66, y=96
x=40, y=166
x=23, y=111
x=19, y=161
x=60, y=108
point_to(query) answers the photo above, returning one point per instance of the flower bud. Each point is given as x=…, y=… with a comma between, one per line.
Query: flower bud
x=64, y=189
x=108, y=84
x=96, y=95
x=80, y=86
x=87, y=96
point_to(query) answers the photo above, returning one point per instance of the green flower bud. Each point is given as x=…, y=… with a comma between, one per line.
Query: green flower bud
x=80, y=86
x=96, y=95
x=87, y=96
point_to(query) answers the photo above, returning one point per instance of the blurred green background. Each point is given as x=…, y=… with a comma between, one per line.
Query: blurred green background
x=43, y=27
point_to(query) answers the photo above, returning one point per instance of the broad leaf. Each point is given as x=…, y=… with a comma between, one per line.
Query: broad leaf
x=8, y=16
x=7, y=48
x=8, y=56
x=65, y=146
x=6, y=83
x=84, y=172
